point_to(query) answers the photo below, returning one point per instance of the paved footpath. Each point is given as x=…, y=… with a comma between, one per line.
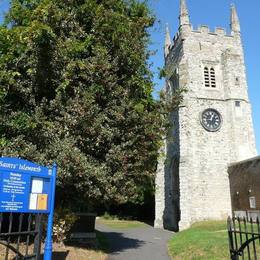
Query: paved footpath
x=142, y=243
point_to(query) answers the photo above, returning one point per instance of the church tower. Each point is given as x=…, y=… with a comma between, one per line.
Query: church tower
x=211, y=128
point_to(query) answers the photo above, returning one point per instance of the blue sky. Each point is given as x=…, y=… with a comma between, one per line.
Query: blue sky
x=214, y=14
x=3, y=7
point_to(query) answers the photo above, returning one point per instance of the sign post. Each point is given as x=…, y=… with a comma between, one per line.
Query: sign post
x=48, y=242
x=26, y=187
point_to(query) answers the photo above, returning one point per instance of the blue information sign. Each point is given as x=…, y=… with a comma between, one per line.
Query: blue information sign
x=26, y=187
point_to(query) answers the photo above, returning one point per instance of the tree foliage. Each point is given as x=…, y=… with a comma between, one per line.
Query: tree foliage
x=75, y=87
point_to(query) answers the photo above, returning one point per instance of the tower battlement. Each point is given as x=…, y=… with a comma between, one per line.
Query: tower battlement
x=201, y=29
x=206, y=29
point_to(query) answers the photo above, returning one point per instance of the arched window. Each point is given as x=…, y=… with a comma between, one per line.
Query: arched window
x=174, y=81
x=206, y=77
x=209, y=77
x=212, y=78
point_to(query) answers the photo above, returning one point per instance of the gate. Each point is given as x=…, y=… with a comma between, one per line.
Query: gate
x=244, y=238
x=17, y=233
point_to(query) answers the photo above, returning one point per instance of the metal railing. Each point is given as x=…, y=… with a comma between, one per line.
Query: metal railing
x=244, y=238
x=18, y=232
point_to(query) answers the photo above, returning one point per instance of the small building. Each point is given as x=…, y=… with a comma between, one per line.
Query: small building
x=244, y=179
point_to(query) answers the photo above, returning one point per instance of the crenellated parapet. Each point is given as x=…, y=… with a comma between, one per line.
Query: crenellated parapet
x=206, y=30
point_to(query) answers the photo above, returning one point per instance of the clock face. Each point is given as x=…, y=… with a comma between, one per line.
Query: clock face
x=211, y=120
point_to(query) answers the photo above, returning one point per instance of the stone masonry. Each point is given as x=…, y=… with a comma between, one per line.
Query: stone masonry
x=192, y=179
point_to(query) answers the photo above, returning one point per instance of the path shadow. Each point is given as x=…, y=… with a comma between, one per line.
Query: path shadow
x=62, y=255
x=84, y=244
x=119, y=243
x=115, y=242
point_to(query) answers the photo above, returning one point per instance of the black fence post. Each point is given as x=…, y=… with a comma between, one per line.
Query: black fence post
x=38, y=237
x=231, y=240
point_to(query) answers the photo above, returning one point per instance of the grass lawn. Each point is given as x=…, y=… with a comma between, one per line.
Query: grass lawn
x=120, y=224
x=204, y=240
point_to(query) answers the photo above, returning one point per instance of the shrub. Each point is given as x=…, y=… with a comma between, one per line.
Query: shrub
x=63, y=221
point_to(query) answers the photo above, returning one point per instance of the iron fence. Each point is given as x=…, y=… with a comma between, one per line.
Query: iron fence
x=18, y=232
x=244, y=238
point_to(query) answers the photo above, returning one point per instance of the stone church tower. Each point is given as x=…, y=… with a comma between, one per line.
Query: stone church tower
x=212, y=127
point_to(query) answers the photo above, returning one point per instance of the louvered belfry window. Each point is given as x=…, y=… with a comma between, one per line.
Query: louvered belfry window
x=209, y=77
x=212, y=78
x=206, y=76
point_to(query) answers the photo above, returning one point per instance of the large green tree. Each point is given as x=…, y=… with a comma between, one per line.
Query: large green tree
x=75, y=87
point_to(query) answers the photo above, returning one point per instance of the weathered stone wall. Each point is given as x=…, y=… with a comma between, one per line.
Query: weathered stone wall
x=199, y=187
x=244, y=183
